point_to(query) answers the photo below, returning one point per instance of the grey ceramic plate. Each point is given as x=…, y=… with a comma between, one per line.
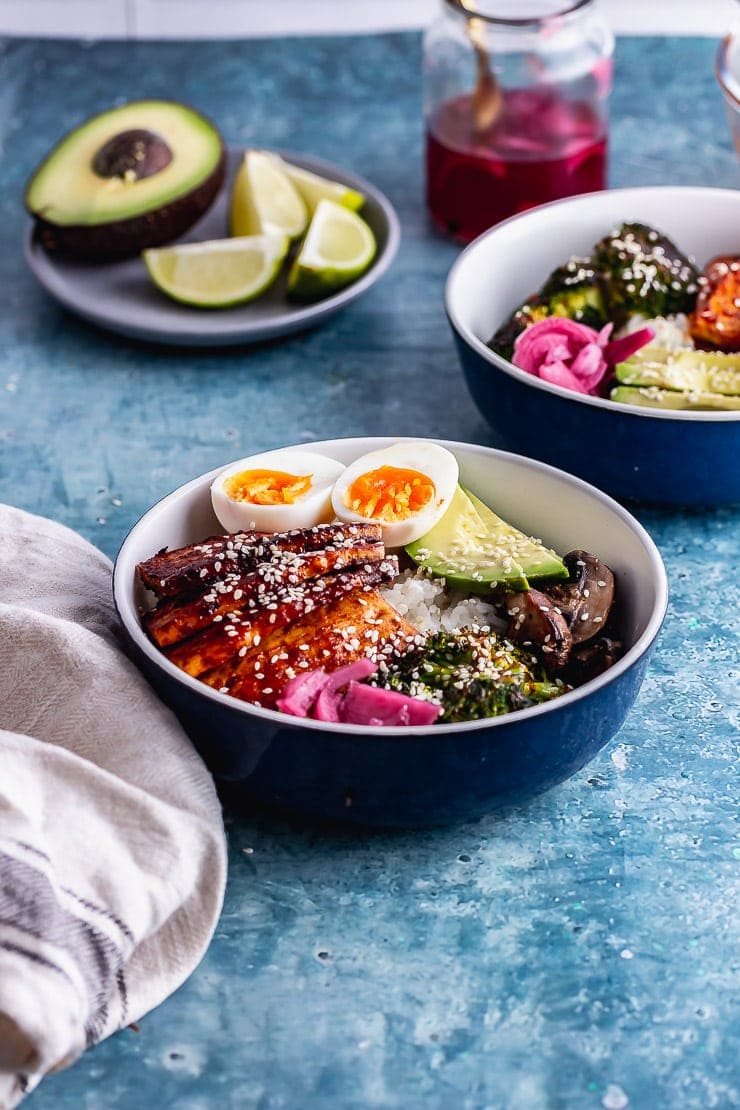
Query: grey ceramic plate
x=120, y=296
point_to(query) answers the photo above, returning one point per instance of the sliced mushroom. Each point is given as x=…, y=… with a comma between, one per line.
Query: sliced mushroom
x=534, y=621
x=591, y=659
x=585, y=600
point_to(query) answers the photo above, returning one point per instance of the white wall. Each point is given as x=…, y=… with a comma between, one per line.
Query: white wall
x=247, y=18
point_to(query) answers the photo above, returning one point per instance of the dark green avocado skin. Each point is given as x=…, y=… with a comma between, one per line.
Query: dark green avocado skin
x=126, y=238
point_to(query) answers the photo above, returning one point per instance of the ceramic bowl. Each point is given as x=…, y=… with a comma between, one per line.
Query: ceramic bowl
x=419, y=775
x=679, y=458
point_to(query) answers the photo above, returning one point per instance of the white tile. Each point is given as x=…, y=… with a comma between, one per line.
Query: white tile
x=671, y=17
x=192, y=19
x=64, y=18
x=256, y=18
x=235, y=18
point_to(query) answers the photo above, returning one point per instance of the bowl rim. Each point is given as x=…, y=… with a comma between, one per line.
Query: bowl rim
x=705, y=192
x=124, y=601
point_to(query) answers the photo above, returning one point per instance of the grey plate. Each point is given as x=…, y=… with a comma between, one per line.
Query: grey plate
x=120, y=296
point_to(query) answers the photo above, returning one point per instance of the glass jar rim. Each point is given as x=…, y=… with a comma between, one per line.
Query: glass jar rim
x=569, y=7
x=729, y=82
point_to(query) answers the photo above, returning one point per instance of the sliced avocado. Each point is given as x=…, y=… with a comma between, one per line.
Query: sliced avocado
x=691, y=371
x=133, y=177
x=474, y=553
x=655, y=398
x=537, y=561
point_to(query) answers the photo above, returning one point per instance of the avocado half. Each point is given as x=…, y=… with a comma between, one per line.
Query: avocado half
x=130, y=178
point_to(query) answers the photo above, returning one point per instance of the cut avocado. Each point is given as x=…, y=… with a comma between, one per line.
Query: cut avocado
x=690, y=371
x=537, y=561
x=474, y=550
x=131, y=178
x=655, y=398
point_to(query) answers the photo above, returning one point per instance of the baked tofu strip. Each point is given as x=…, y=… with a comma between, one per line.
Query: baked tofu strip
x=174, y=620
x=356, y=625
x=222, y=643
x=185, y=569
x=189, y=569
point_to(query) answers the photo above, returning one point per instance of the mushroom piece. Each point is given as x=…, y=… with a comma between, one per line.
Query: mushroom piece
x=533, y=620
x=586, y=599
x=592, y=659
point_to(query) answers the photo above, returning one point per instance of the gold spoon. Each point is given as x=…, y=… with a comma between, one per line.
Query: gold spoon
x=487, y=100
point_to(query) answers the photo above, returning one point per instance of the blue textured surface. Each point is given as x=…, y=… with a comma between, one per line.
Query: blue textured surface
x=578, y=953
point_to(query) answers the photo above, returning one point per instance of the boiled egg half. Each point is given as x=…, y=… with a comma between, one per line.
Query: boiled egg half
x=276, y=491
x=405, y=488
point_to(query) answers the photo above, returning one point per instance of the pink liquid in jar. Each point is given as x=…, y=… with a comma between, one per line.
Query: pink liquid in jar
x=542, y=147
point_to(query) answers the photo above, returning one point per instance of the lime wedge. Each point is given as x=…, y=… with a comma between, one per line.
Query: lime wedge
x=338, y=247
x=313, y=188
x=264, y=201
x=219, y=272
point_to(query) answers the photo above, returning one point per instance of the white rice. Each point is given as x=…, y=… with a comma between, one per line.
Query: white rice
x=429, y=605
x=671, y=332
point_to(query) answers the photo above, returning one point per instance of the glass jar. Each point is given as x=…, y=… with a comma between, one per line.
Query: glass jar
x=515, y=106
x=727, y=71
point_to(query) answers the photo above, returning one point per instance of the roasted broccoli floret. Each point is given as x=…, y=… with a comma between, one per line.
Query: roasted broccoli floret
x=573, y=291
x=528, y=313
x=471, y=674
x=644, y=273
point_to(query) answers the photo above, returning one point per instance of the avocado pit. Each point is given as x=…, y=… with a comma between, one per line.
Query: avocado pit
x=133, y=155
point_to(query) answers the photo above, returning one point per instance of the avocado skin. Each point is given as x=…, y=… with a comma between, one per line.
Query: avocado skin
x=126, y=238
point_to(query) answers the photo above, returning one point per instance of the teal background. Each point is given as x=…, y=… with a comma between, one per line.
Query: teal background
x=580, y=952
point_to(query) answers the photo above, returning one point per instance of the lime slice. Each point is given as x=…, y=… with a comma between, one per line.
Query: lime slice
x=264, y=201
x=313, y=188
x=338, y=248
x=218, y=272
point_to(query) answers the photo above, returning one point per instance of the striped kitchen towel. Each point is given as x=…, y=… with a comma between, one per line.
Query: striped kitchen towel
x=112, y=850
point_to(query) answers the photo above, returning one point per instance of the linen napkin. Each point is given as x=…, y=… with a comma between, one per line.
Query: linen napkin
x=112, y=850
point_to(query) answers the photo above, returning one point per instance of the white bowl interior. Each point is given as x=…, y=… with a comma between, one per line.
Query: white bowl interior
x=563, y=511
x=505, y=265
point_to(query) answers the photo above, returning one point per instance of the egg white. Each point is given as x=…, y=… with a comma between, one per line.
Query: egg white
x=436, y=463
x=311, y=508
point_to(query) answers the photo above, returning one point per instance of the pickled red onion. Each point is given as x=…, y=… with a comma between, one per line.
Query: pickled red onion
x=566, y=353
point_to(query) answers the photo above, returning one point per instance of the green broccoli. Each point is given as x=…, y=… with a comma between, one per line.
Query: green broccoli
x=643, y=272
x=634, y=270
x=528, y=313
x=572, y=290
x=471, y=674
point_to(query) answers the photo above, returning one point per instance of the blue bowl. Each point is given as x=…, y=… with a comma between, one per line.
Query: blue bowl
x=419, y=776
x=674, y=458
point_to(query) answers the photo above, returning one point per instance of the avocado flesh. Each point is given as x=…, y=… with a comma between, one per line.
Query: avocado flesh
x=537, y=561
x=469, y=552
x=689, y=371
x=82, y=208
x=654, y=397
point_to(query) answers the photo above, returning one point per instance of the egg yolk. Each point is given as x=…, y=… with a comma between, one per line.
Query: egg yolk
x=389, y=493
x=267, y=487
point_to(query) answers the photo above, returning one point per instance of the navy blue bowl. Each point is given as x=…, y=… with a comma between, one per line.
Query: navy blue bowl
x=674, y=458
x=419, y=776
